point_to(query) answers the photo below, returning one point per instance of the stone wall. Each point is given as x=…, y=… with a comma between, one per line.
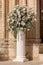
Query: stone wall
x=31, y=36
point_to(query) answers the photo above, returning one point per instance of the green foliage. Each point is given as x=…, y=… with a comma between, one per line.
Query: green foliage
x=20, y=18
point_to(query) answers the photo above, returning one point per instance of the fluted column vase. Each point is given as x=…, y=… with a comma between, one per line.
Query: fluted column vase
x=20, y=50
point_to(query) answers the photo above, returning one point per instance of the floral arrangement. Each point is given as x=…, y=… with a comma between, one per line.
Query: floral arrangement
x=20, y=18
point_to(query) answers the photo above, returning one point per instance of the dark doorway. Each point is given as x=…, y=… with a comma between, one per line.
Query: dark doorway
x=41, y=20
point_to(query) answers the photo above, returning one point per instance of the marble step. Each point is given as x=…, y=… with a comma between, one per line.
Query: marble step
x=40, y=57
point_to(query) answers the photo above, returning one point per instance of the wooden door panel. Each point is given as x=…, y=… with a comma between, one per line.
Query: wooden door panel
x=41, y=20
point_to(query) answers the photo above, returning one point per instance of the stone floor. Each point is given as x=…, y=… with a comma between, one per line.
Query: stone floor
x=21, y=63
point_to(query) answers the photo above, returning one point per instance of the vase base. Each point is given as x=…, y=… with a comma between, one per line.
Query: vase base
x=20, y=60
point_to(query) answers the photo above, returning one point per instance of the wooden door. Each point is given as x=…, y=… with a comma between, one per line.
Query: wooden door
x=41, y=20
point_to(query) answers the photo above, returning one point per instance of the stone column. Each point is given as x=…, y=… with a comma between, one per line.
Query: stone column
x=31, y=34
x=37, y=36
x=11, y=5
x=37, y=13
x=11, y=36
x=22, y=2
x=20, y=51
x=2, y=20
x=34, y=4
x=30, y=3
x=35, y=52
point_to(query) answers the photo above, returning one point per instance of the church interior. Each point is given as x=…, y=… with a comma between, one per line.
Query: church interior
x=34, y=38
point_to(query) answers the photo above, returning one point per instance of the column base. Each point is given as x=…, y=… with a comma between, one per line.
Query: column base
x=20, y=60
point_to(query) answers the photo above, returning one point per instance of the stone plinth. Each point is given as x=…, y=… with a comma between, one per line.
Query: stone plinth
x=12, y=49
x=40, y=57
x=35, y=52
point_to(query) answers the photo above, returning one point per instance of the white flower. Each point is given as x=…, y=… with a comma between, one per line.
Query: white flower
x=24, y=9
x=18, y=12
x=12, y=20
x=12, y=27
x=10, y=14
x=14, y=9
x=22, y=23
x=8, y=19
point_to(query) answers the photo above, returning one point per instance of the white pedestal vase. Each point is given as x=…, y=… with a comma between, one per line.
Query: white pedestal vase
x=20, y=52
